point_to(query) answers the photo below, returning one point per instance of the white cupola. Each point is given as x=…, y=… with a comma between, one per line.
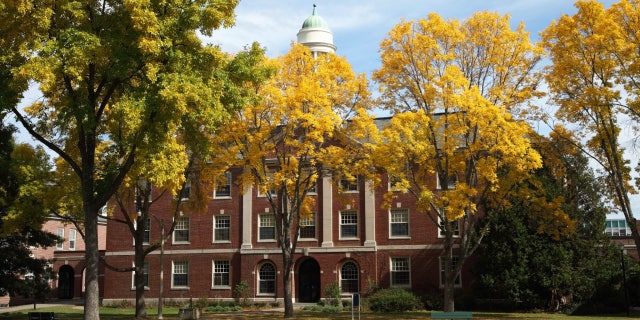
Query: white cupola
x=315, y=34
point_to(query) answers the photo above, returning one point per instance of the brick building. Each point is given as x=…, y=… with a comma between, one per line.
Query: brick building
x=352, y=240
x=67, y=260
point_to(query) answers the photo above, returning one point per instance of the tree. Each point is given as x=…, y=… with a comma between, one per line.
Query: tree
x=296, y=133
x=453, y=87
x=23, y=173
x=117, y=79
x=151, y=179
x=594, y=81
x=528, y=263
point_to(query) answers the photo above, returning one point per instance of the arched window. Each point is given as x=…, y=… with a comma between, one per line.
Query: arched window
x=267, y=279
x=349, y=275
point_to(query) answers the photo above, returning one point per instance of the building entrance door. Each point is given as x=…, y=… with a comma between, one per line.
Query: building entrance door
x=65, y=282
x=309, y=281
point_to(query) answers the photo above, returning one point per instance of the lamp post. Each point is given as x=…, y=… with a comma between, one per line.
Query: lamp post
x=624, y=278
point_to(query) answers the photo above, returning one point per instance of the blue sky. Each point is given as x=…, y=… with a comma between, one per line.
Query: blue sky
x=359, y=26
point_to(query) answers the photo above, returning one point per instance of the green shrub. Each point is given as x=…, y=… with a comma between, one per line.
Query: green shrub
x=393, y=300
x=332, y=294
x=201, y=303
x=241, y=292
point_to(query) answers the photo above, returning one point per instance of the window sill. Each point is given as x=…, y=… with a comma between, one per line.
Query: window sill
x=221, y=241
x=307, y=239
x=221, y=288
x=266, y=240
x=348, y=239
x=180, y=288
x=222, y=198
x=266, y=294
x=180, y=243
x=145, y=288
x=400, y=237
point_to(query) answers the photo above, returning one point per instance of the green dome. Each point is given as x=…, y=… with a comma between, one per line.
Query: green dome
x=314, y=21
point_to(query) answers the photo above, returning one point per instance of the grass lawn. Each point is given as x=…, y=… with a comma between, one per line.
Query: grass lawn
x=75, y=313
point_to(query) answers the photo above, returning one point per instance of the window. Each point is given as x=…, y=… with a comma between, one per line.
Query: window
x=454, y=262
x=617, y=228
x=72, y=239
x=221, y=273
x=267, y=228
x=349, y=276
x=185, y=193
x=400, y=272
x=262, y=189
x=181, y=231
x=394, y=182
x=145, y=282
x=222, y=228
x=308, y=227
x=223, y=187
x=347, y=185
x=348, y=224
x=60, y=243
x=456, y=229
x=180, y=274
x=452, y=179
x=399, y=223
x=147, y=232
x=267, y=279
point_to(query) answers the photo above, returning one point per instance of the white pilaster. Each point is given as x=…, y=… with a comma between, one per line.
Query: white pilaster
x=327, y=211
x=247, y=221
x=369, y=214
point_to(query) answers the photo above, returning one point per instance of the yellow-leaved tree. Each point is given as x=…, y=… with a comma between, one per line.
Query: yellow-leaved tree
x=310, y=122
x=594, y=80
x=117, y=78
x=453, y=87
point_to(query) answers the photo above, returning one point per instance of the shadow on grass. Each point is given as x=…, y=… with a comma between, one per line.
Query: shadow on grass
x=75, y=313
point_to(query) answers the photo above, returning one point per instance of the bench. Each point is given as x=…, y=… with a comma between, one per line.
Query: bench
x=451, y=315
x=41, y=316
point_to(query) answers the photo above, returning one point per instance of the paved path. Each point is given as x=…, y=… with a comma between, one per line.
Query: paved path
x=56, y=303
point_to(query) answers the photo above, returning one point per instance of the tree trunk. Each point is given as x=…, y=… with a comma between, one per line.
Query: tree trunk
x=139, y=277
x=92, y=288
x=286, y=279
x=449, y=294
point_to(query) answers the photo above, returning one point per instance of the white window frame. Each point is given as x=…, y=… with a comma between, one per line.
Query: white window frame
x=72, y=239
x=441, y=233
x=346, y=186
x=262, y=219
x=217, y=219
x=344, y=222
x=399, y=265
x=357, y=273
x=453, y=180
x=180, y=227
x=227, y=184
x=145, y=269
x=182, y=268
x=222, y=267
x=260, y=280
x=185, y=194
x=60, y=243
x=307, y=222
x=394, y=215
x=454, y=262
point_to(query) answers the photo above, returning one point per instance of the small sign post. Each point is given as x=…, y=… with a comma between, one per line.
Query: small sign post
x=355, y=302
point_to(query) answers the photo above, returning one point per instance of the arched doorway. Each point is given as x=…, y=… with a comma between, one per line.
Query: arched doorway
x=309, y=281
x=65, y=282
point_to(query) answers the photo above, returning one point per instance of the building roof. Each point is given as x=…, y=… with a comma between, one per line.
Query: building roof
x=314, y=21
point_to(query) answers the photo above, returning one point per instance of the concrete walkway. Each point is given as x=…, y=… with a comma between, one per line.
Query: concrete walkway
x=53, y=303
